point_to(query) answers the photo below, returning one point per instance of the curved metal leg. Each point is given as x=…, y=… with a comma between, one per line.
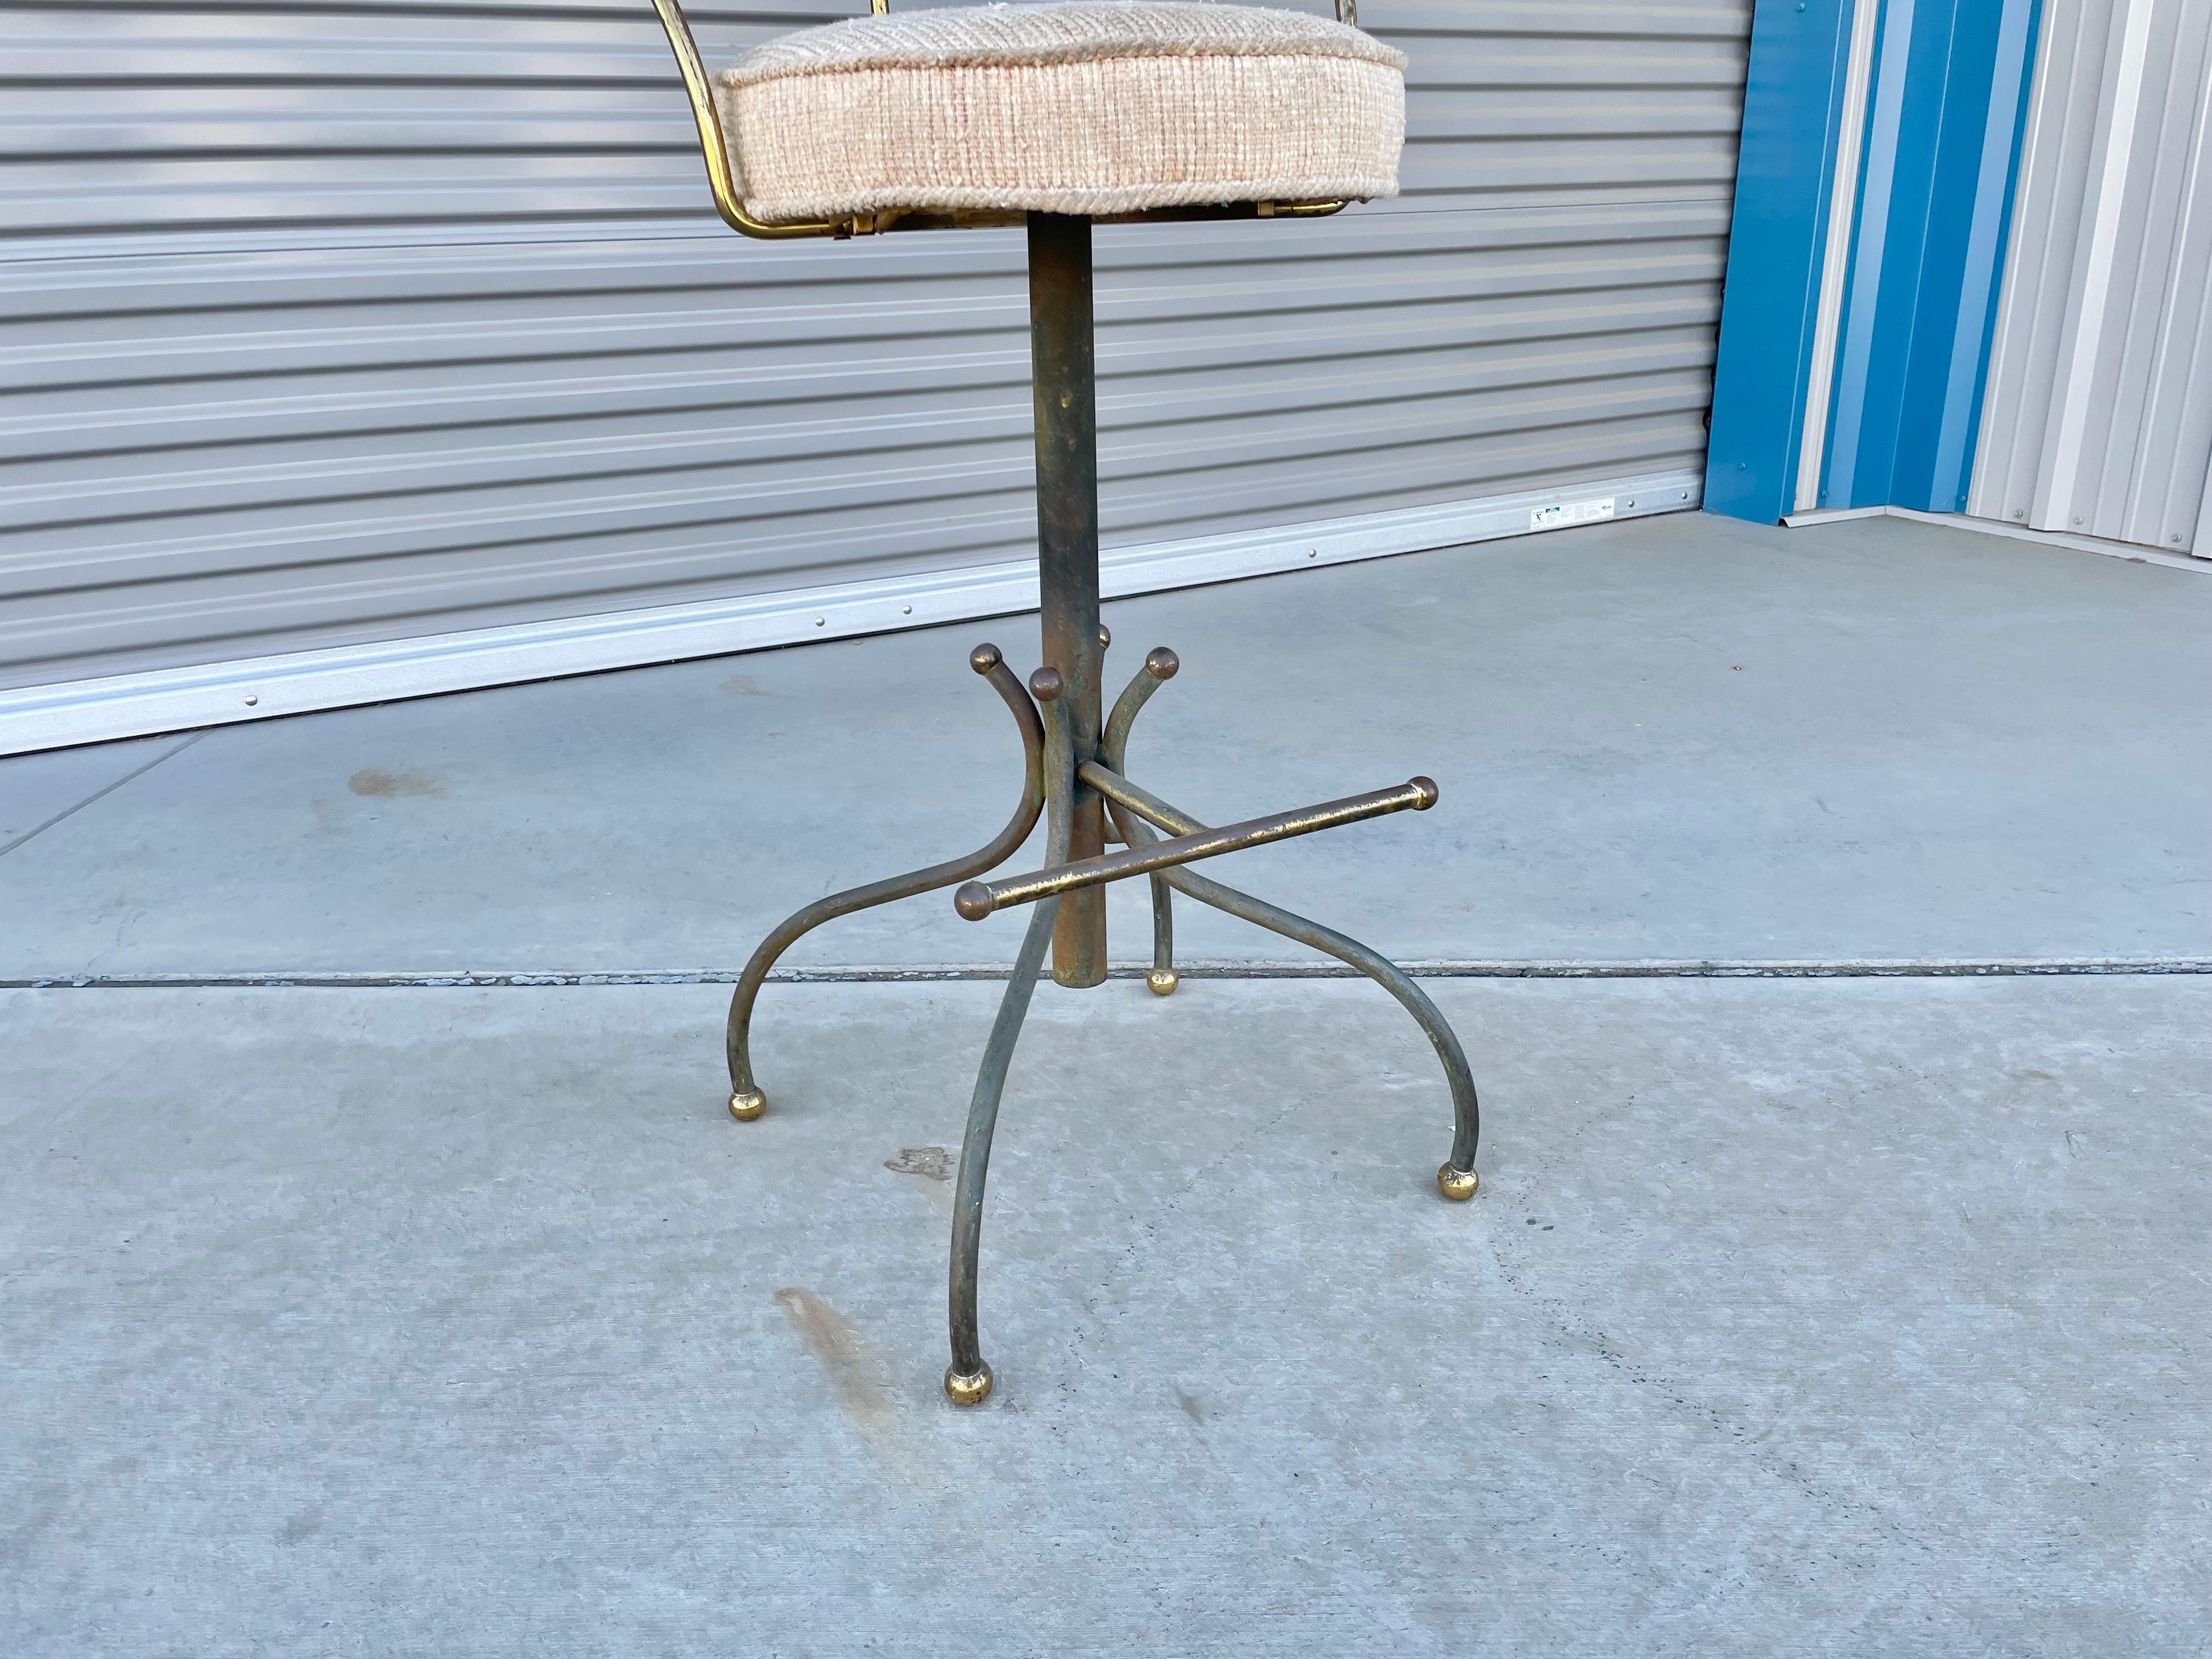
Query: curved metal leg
x=747, y=1099
x=1159, y=667
x=967, y=1378
x=1163, y=979
x=1456, y=1179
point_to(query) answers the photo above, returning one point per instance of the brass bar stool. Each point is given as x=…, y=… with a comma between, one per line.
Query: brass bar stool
x=1053, y=117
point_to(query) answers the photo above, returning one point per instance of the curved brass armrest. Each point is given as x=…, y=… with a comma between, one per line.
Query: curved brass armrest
x=729, y=201
x=729, y=197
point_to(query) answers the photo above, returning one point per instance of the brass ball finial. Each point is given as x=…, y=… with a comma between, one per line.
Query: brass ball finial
x=1105, y=639
x=1162, y=663
x=973, y=900
x=1162, y=982
x=1426, y=788
x=968, y=1388
x=1458, y=1185
x=1046, y=685
x=746, y=1104
x=984, y=658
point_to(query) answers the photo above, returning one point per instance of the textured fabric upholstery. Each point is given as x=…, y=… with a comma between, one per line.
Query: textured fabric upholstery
x=1101, y=106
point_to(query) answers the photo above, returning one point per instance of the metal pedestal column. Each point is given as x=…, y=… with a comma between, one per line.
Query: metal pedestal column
x=1064, y=381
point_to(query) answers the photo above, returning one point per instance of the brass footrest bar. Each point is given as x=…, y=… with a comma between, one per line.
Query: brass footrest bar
x=978, y=899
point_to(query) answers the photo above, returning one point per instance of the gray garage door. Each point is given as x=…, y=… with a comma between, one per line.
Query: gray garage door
x=358, y=349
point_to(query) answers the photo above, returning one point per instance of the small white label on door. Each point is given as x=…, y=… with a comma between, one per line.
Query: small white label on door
x=1566, y=512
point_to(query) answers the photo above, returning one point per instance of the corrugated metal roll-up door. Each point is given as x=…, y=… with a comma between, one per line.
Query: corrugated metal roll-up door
x=2099, y=416
x=370, y=349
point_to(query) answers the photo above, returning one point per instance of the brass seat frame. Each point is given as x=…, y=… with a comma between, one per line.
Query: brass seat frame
x=1074, y=751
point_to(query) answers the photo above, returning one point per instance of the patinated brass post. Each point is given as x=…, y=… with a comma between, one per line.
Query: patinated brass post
x=1064, y=381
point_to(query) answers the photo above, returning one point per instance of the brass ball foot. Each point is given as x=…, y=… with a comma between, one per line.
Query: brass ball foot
x=1458, y=1185
x=968, y=1388
x=1162, y=982
x=746, y=1104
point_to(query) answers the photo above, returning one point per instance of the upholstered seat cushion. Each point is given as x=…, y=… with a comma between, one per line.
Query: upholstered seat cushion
x=1103, y=107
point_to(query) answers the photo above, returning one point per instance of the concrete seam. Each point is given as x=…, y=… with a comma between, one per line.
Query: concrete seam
x=97, y=794
x=927, y=973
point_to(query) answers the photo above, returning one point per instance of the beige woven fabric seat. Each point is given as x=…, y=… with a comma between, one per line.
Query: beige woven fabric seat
x=1084, y=108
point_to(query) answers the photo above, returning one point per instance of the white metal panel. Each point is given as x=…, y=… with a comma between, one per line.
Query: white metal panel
x=2099, y=416
x=2203, y=537
x=335, y=325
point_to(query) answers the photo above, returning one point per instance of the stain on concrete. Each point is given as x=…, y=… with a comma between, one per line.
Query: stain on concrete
x=837, y=1348
x=374, y=781
x=1189, y=1407
x=303, y=1525
x=744, y=685
x=933, y=1163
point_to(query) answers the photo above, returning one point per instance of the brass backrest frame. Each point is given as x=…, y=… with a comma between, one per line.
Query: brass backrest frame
x=729, y=199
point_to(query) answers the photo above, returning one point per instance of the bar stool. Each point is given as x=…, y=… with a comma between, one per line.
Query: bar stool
x=1053, y=117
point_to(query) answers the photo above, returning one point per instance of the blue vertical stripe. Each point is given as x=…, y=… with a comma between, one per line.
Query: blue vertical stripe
x=1862, y=294
x=1776, y=238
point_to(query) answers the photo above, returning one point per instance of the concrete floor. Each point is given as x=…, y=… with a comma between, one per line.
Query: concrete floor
x=1840, y=1318
x=1673, y=738
x=1814, y=1316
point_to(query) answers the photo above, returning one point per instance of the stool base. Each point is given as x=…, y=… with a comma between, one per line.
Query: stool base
x=1137, y=819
